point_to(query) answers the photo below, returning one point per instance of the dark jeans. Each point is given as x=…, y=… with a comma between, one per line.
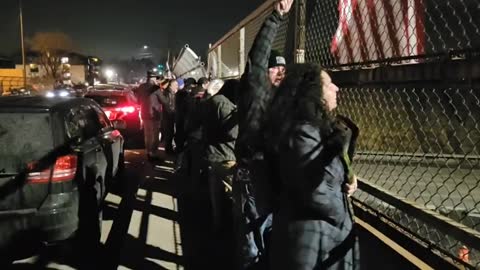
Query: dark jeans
x=219, y=172
x=251, y=229
x=179, y=136
x=168, y=131
x=191, y=162
x=151, y=131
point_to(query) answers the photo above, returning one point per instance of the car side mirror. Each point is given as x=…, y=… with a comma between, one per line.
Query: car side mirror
x=119, y=124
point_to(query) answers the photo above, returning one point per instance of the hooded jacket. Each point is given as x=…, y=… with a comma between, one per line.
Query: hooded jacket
x=221, y=125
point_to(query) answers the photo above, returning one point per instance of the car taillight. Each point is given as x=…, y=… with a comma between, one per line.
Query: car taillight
x=126, y=110
x=118, y=113
x=64, y=170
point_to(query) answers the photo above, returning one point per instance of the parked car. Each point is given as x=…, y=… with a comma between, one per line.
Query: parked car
x=57, y=156
x=64, y=91
x=109, y=86
x=120, y=105
x=20, y=92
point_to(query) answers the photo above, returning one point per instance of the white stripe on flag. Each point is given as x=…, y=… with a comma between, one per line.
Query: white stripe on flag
x=382, y=35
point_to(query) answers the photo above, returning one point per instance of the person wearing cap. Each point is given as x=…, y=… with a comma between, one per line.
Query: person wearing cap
x=190, y=83
x=202, y=87
x=203, y=82
x=194, y=104
x=150, y=109
x=276, y=68
x=167, y=99
x=264, y=71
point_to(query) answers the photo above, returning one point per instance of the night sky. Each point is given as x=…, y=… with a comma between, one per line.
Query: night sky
x=119, y=28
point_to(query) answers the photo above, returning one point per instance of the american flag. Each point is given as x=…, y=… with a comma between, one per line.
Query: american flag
x=371, y=30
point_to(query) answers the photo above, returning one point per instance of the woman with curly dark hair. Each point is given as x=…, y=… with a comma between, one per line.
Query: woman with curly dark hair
x=312, y=221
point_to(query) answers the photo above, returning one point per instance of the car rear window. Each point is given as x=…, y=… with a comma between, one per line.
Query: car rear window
x=108, y=101
x=109, y=87
x=24, y=137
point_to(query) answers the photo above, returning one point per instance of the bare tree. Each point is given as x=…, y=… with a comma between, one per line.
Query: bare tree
x=51, y=47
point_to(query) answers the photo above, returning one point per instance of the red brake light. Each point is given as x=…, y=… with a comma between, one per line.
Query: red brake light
x=127, y=109
x=64, y=170
x=120, y=112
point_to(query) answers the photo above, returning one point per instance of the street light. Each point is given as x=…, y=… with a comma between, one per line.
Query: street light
x=109, y=73
x=23, y=46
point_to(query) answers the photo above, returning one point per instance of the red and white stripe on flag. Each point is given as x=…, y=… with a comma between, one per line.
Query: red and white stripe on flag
x=371, y=30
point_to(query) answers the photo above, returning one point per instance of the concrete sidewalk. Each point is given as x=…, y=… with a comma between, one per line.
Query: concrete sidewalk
x=153, y=238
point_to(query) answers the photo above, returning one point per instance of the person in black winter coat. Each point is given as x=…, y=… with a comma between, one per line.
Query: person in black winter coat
x=181, y=98
x=192, y=160
x=308, y=148
x=265, y=69
x=167, y=99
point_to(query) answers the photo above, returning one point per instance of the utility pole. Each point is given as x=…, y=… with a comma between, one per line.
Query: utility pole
x=23, y=47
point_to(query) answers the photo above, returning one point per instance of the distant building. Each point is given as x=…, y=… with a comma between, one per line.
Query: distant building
x=75, y=68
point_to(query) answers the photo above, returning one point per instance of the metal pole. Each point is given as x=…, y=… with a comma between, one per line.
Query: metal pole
x=219, y=65
x=209, y=60
x=241, y=61
x=300, y=20
x=23, y=46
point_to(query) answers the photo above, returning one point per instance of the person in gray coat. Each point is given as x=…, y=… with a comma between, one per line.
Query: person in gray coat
x=313, y=226
x=220, y=126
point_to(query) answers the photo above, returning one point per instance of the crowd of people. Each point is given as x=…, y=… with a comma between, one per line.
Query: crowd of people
x=273, y=137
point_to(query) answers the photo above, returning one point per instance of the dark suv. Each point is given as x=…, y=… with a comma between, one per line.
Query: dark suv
x=56, y=156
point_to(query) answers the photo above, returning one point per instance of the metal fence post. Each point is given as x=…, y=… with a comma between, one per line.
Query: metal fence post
x=209, y=65
x=241, y=52
x=219, y=61
x=300, y=31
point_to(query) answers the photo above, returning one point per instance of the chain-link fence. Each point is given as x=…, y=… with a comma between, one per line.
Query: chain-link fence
x=409, y=73
x=420, y=144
